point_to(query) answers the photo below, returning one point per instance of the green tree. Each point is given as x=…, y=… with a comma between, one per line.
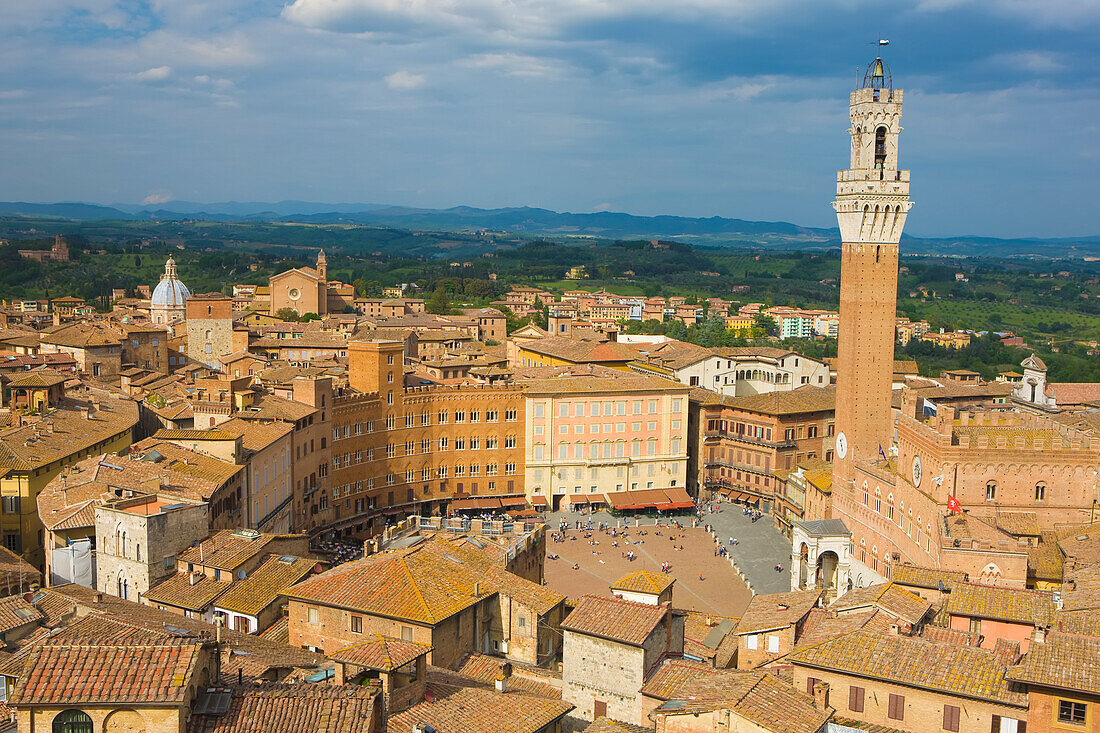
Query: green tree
x=767, y=324
x=438, y=302
x=287, y=314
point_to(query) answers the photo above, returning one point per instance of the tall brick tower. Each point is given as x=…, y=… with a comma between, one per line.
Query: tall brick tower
x=872, y=200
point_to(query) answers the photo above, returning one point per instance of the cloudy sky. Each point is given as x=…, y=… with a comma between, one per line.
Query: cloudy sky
x=694, y=107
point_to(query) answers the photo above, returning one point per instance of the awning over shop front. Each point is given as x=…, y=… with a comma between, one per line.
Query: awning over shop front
x=539, y=501
x=661, y=499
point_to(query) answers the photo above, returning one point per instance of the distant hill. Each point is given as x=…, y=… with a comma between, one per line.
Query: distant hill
x=85, y=212
x=528, y=221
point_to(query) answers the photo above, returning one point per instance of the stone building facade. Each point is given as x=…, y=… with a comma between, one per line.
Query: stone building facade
x=209, y=328
x=137, y=540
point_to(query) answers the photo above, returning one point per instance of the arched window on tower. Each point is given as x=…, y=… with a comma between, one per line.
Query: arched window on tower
x=1040, y=491
x=991, y=491
x=880, y=148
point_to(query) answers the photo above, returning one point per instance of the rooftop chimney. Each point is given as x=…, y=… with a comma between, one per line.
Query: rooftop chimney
x=503, y=677
x=821, y=694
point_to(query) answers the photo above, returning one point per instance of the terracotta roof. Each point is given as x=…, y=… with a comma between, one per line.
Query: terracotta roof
x=273, y=655
x=676, y=677
x=454, y=709
x=806, y=398
x=581, y=352
x=1067, y=661
x=592, y=378
x=202, y=473
x=525, y=679
x=615, y=619
x=228, y=549
x=710, y=636
x=643, y=581
x=822, y=624
x=293, y=707
x=16, y=612
x=888, y=597
x=1044, y=561
x=192, y=591
x=427, y=583
x=915, y=662
x=271, y=407
x=381, y=653
x=82, y=335
x=60, y=673
x=777, y=610
x=15, y=571
x=263, y=587
x=1003, y=604
x=278, y=631
x=927, y=577
x=64, y=432
x=950, y=636
x=38, y=378
x=762, y=699
x=308, y=340
x=1081, y=589
x=1018, y=523
x=607, y=725
x=194, y=434
x=1073, y=393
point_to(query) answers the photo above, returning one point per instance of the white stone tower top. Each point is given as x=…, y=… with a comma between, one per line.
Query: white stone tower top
x=872, y=196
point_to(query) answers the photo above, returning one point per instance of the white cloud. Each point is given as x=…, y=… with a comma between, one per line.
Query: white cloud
x=157, y=73
x=513, y=64
x=1033, y=61
x=156, y=198
x=603, y=207
x=405, y=80
x=523, y=17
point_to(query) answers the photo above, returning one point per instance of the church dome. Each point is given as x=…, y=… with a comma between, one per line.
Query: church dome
x=170, y=291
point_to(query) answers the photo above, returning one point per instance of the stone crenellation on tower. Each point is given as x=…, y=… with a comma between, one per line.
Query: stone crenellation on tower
x=872, y=202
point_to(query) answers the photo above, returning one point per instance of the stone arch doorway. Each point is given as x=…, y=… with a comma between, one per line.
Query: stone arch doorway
x=825, y=574
x=72, y=721
x=803, y=566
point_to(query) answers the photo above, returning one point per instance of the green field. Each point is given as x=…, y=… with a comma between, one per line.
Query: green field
x=1001, y=316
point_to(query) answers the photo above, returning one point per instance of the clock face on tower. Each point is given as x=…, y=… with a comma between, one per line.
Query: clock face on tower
x=918, y=471
x=841, y=446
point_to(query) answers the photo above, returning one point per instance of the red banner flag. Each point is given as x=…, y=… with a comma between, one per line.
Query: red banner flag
x=953, y=504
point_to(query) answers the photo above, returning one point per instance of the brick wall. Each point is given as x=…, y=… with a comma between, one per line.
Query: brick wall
x=922, y=710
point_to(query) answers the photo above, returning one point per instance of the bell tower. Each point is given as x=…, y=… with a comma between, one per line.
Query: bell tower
x=872, y=201
x=322, y=265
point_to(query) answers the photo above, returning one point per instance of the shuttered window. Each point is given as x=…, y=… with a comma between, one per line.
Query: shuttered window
x=951, y=717
x=897, y=707
x=855, y=699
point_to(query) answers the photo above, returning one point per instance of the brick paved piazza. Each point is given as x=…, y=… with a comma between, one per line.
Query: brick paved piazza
x=720, y=591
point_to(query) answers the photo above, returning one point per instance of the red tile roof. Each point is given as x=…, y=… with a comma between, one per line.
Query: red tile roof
x=16, y=612
x=477, y=710
x=424, y=584
x=73, y=673
x=615, y=619
x=258, y=708
x=380, y=652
